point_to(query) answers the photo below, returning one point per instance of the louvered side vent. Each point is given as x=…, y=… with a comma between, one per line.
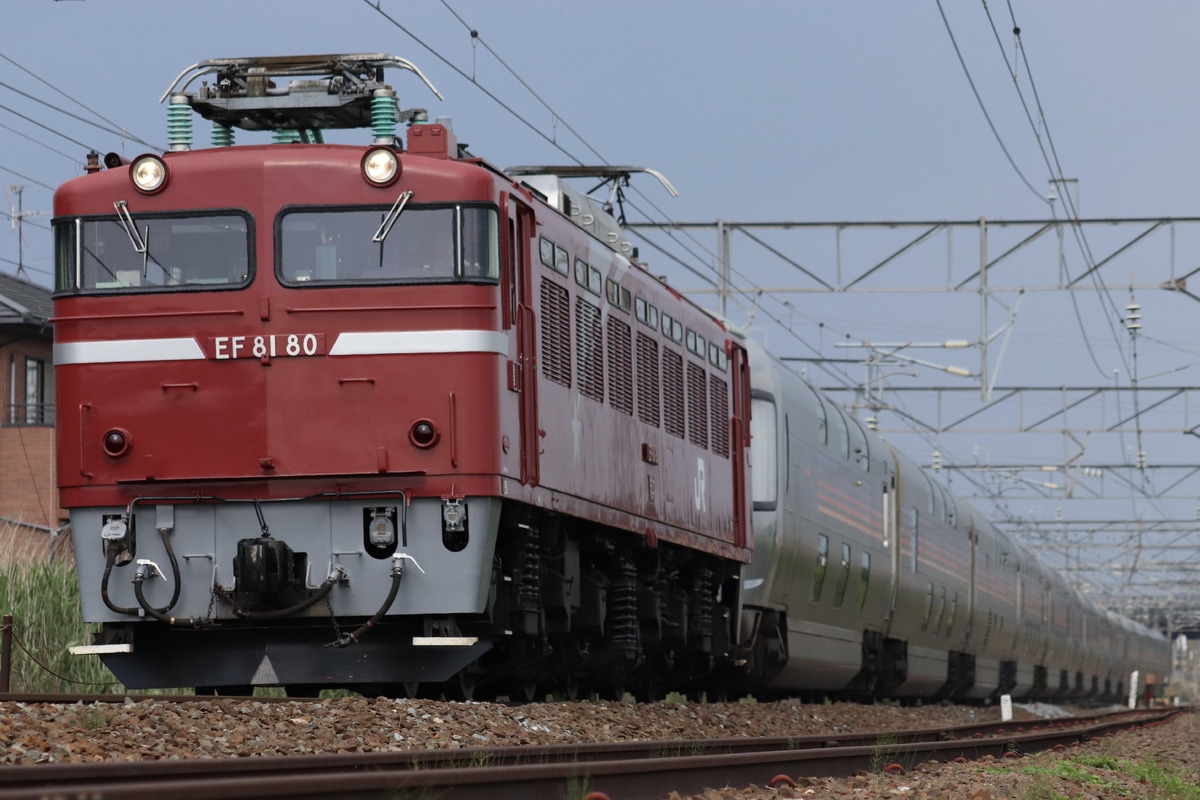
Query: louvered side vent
x=620, y=366
x=589, y=350
x=720, y=416
x=647, y=380
x=672, y=374
x=556, y=333
x=697, y=405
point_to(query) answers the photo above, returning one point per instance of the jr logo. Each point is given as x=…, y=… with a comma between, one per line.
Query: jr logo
x=699, y=489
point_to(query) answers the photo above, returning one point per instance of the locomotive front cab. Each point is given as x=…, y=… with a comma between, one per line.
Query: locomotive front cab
x=291, y=374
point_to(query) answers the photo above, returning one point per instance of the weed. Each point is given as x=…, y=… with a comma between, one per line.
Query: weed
x=1162, y=780
x=1040, y=788
x=94, y=718
x=577, y=787
x=1169, y=778
x=884, y=752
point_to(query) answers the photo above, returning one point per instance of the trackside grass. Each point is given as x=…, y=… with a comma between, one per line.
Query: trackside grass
x=43, y=599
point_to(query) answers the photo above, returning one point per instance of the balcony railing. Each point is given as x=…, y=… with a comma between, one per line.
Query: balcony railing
x=32, y=414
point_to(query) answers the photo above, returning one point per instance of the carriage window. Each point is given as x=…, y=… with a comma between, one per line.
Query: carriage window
x=423, y=244
x=763, y=452
x=864, y=579
x=839, y=425
x=912, y=522
x=928, y=606
x=819, y=415
x=839, y=589
x=157, y=252
x=820, y=566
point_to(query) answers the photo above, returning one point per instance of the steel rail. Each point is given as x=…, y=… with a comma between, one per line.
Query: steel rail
x=619, y=771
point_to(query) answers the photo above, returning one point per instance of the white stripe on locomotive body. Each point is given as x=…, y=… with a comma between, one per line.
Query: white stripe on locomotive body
x=123, y=351
x=411, y=342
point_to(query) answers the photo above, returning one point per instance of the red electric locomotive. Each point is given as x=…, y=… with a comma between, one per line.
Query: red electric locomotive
x=384, y=416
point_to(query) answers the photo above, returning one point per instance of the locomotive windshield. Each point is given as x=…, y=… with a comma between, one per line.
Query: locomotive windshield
x=157, y=252
x=425, y=244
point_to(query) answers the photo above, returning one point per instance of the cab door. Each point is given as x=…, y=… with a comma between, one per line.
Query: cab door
x=523, y=372
x=740, y=437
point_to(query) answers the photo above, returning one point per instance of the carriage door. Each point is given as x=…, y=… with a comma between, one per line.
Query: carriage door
x=523, y=378
x=892, y=530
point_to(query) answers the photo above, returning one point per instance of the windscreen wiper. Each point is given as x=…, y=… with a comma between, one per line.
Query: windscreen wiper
x=386, y=226
x=139, y=244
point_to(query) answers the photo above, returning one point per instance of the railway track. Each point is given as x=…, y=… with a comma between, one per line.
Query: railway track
x=621, y=771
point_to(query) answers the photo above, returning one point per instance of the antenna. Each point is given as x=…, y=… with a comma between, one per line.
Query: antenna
x=18, y=216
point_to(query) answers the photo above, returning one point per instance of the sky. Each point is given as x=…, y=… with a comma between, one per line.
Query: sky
x=767, y=112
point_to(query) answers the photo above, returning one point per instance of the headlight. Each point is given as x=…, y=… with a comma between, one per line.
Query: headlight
x=149, y=174
x=380, y=166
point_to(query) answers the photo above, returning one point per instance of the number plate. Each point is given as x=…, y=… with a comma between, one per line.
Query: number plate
x=271, y=345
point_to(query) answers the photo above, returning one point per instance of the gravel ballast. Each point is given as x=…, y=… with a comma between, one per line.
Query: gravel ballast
x=227, y=728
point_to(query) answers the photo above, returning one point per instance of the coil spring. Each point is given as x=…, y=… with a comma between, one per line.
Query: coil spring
x=222, y=136
x=622, y=607
x=179, y=123
x=529, y=589
x=702, y=590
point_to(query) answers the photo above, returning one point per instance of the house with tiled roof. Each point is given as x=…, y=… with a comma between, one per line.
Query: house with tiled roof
x=31, y=523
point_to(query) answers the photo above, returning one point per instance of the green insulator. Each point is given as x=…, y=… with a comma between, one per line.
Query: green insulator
x=179, y=123
x=318, y=136
x=383, y=116
x=222, y=136
x=283, y=136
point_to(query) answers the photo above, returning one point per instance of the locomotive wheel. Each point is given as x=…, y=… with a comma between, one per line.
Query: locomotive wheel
x=648, y=692
x=412, y=689
x=614, y=694
x=573, y=687
x=524, y=692
x=462, y=686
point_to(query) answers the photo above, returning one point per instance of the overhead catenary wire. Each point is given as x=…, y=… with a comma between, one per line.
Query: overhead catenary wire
x=44, y=127
x=557, y=145
x=122, y=132
x=982, y=107
x=40, y=143
x=476, y=37
x=64, y=112
x=1054, y=166
x=24, y=177
x=467, y=77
